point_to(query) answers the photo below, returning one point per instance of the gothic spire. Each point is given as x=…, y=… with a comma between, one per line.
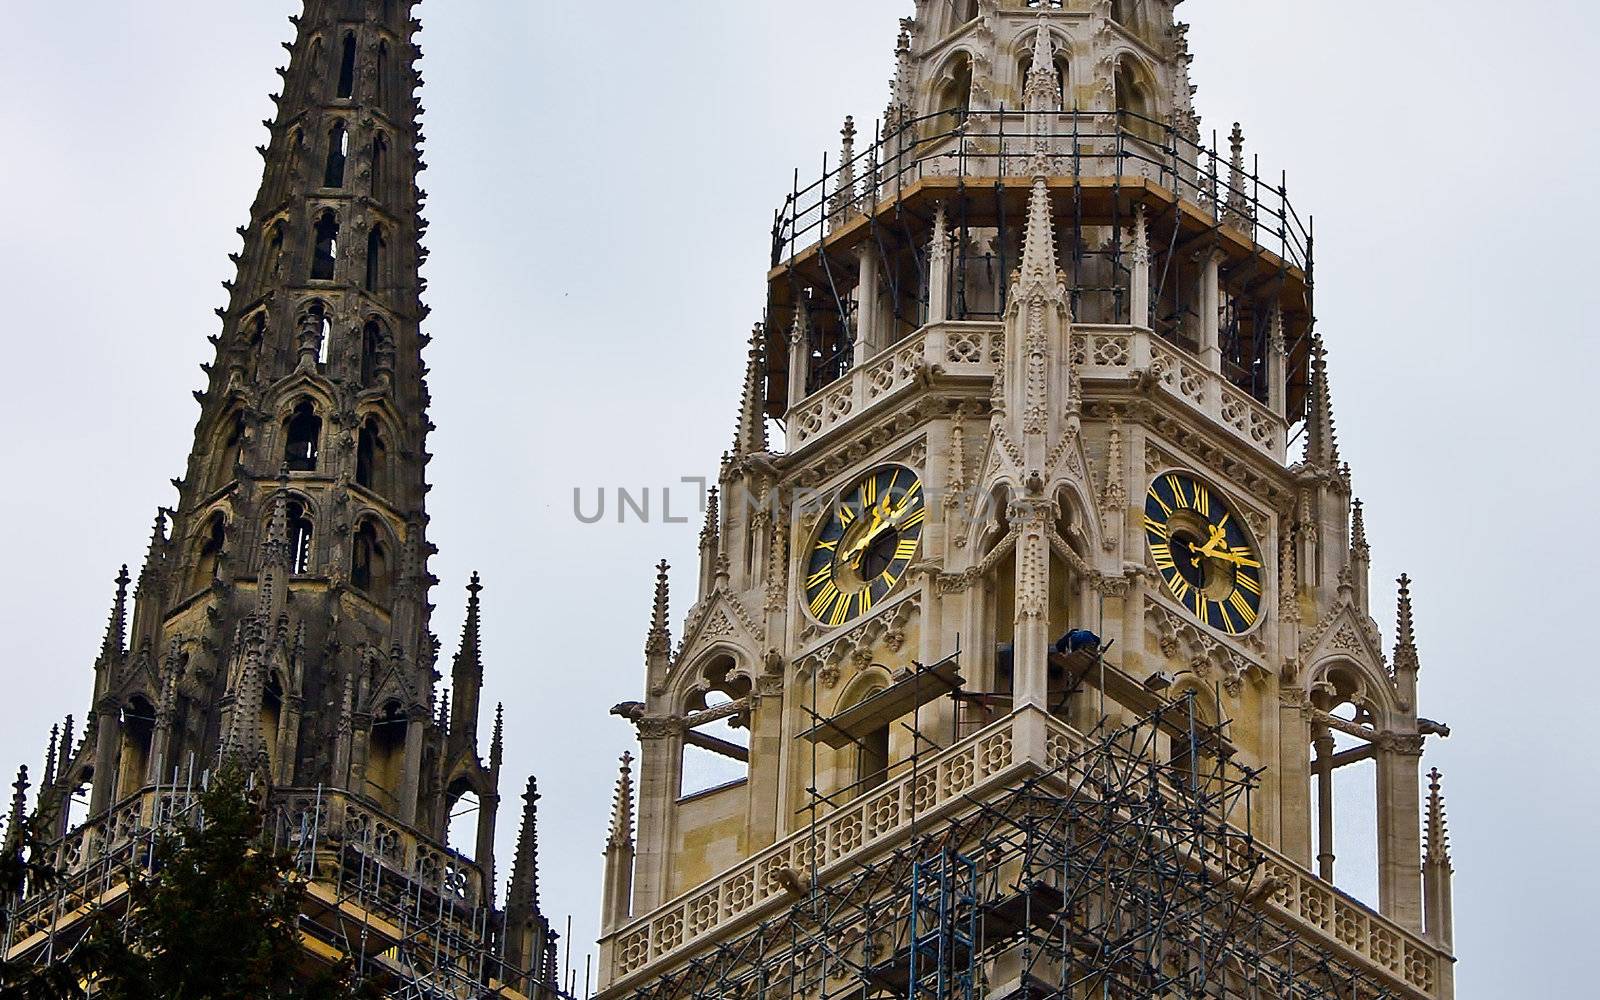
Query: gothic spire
x=1359, y=549
x=1405, y=636
x=1438, y=834
x=622, y=806
x=48, y=776
x=751, y=436
x=522, y=894
x=497, y=742
x=1238, y=209
x=658, y=642
x=466, y=675
x=1322, y=442
x=116, y=639
x=843, y=201
x=19, y=811
x=1039, y=241
x=1042, y=89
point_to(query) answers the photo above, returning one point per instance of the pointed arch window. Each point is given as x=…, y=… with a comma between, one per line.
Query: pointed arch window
x=208, y=556
x=1135, y=110
x=380, y=162
x=372, y=455
x=275, y=236
x=954, y=101
x=1063, y=74
x=303, y=433
x=301, y=530
x=383, y=72
x=376, y=242
x=347, y=67
x=338, y=156
x=386, y=751
x=369, y=569
x=326, y=254
x=963, y=11
x=371, y=344
x=230, y=449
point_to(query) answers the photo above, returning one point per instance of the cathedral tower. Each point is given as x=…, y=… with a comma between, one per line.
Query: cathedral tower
x=281, y=615
x=1030, y=655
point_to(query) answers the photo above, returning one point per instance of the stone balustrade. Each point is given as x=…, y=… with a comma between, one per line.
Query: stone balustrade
x=1003, y=754
x=968, y=349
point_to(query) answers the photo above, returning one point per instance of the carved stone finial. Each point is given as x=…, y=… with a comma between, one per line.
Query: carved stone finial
x=621, y=835
x=659, y=640
x=1438, y=833
x=1405, y=636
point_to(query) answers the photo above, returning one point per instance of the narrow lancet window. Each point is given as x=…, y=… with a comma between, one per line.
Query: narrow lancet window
x=300, y=532
x=304, y=428
x=380, y=159
x=369, y=569
x=347, y=67
x=371, y=454
x=338, y=155
x=375, y=245
x=371, y=342
x=326, y=253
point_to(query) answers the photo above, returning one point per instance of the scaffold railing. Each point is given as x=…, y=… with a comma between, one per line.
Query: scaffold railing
x=981, y=146
x=1124, y=867
x=406, y=912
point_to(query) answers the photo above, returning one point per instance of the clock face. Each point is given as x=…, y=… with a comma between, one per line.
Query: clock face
x=868, y=537
x=1203, y=553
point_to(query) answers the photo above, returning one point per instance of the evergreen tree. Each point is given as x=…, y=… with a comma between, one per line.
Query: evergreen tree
x=216, y=917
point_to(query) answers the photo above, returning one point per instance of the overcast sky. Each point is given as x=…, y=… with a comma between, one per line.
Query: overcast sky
x=602, y=186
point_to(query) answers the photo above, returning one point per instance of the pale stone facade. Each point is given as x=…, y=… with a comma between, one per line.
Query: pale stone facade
x=1041, y=295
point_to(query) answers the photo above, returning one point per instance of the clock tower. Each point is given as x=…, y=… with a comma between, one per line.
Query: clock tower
x=1033, y=649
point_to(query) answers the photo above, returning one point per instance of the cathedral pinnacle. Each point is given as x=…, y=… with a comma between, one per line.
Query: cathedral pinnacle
x=659, y=640
x=466, y=674
x=497, y=742
x=115, y=643
x=751, y=436
x=1322, y=442
x=1405, y=637
x=1359, y=549
x=1438, y=836
x=622, y=806
x=522, y=894
x=19, y=811
x=1039, y=243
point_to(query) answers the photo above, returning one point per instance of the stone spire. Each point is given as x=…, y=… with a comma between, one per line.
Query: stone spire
x=116, y=638
x=1405, y=636
x=658, y=642
x=466, y=675
x=1438, y=835
x=750, y=438
x=1437, y=870
x=617, y=891
x=1042, y=90
x=621, y=834
x=522, y=894
x=48, y=776
x=1359, y=548
x=842, y=205
x=497, y=742
x=1238, y=210
x=1322, y=442
x=18, y=816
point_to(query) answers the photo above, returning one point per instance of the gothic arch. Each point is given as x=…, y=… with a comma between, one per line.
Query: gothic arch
x=1136, y=95
x=720, y=666
x=1338, y=679
x=373, y=551
x=207, y=543
x=303, y=428
x=375, y=450
x=949, y=94
x=303, y=519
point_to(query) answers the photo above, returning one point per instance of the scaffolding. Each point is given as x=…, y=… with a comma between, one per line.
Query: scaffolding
x=408, y=914
x=1120, y=871
x=971, y=173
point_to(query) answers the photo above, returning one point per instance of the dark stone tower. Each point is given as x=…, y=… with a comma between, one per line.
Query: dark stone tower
x=282, y=612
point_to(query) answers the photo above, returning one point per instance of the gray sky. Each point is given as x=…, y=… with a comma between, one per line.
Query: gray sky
x=602, y=186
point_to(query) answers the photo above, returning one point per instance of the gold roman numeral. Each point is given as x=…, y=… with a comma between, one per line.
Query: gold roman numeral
x=823, y=598
x=1176, y=485
x=906, y=549
x=1157, y=498
x=1250, y=583
x=1241, y=605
